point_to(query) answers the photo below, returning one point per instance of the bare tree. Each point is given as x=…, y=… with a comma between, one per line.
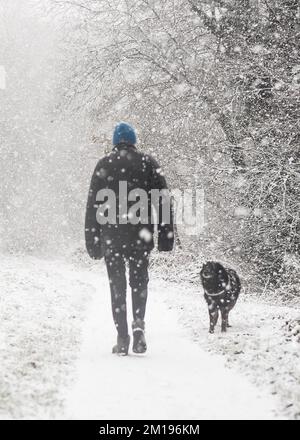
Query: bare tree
x=214, y=80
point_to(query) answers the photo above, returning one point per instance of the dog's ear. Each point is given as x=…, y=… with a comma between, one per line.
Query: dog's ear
x=202, y=270
x=222, y=272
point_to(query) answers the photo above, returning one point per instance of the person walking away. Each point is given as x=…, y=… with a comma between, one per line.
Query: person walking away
x=118, y=238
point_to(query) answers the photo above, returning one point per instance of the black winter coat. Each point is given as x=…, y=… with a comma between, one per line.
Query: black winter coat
x=140, y=171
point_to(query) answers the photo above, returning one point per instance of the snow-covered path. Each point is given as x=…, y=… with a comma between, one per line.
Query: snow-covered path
x=56, y=362
x=176, y=380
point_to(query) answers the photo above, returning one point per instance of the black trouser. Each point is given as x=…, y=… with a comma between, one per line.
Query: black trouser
x=138, y=280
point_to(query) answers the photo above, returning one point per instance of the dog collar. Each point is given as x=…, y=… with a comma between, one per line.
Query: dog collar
x=227, y=288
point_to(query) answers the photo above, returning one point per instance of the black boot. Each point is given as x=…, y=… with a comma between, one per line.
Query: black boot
x=122, y=346
x=139, y=341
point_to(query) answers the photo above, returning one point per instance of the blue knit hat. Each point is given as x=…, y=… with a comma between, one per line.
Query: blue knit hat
x=124, y=133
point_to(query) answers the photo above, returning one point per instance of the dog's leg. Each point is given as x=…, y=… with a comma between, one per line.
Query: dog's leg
x=229, y=310
x=213, y=316
x=227, y=324
x=225, y=319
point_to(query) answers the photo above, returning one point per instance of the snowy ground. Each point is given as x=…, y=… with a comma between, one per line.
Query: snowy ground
x=176, y=380
x=57, y=334
x=258, y=345
x=41, y=308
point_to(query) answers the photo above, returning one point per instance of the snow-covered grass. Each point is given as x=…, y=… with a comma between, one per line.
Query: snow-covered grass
x=183, y=266
x=41, y=308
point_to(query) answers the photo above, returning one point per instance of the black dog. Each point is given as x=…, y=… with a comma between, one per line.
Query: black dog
x=222, y=288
